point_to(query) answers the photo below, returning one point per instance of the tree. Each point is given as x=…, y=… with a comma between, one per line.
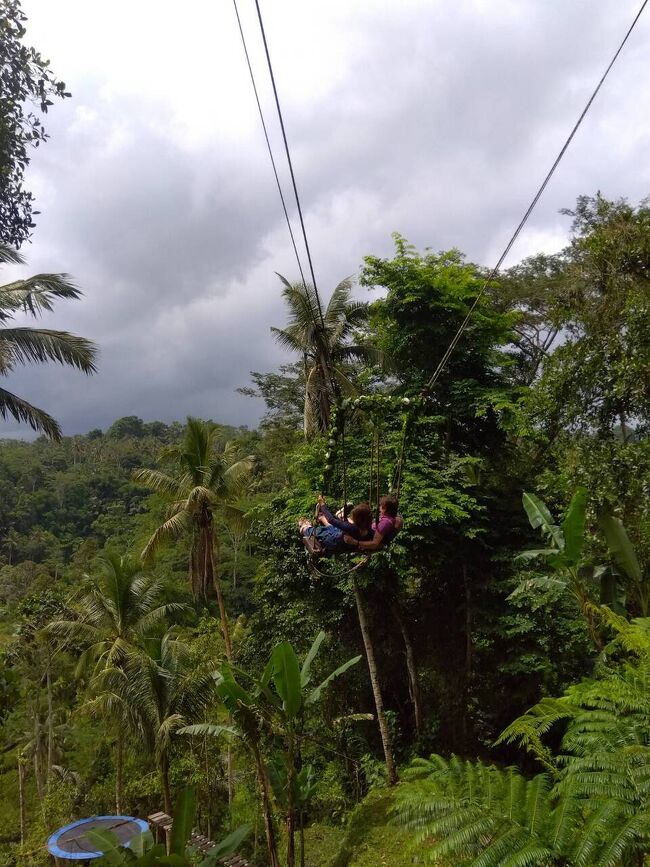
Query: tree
x=283, y=393
x=128, y=426
x=572, y=567
x=208, y=482
x=281, y=716
x=27, y=87
x=428, y=296
x=382, y=722
x=165, y=692
x=565, y=555
x=116, y=610
x=324, y=346
x=20, y=345
x=596, y=381
x=589, y=807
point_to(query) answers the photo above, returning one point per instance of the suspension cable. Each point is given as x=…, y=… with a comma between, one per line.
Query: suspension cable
x=268, y=142
x=445, y=358
x=293, y=177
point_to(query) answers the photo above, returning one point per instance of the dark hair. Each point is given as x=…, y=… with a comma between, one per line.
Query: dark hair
x=362, y=516
x=390, y=505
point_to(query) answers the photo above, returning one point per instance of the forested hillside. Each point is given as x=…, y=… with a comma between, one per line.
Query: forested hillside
x=157, y=604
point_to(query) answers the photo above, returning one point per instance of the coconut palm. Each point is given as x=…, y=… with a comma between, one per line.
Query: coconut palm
x=207, y=484
x=22, y=345
x=324, y=345
x=116, y=608
x=109, y=704
x=165, y=691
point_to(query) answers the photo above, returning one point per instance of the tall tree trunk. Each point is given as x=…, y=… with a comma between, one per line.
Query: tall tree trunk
x=208, y=792
x=210, y=544
x=414, y=687
x=302, y=838
x=624, y=433
x=235, y=560
x=164, y=781
x=291, y=817
x=21, y=797
x=229, y=771
x=267, y=814
x=469, y=650
x=50, y=724
x=38, y=773
x=391, y=770
x=119, y=770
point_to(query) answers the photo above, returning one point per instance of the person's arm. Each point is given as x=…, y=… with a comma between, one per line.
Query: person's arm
x=332, y=520
x=371, y=545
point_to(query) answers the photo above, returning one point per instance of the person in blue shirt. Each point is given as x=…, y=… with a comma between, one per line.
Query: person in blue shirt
x=334, y=535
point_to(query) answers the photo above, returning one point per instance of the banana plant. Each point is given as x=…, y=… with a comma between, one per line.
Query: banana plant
x=295, y=693
x=304, y=787
x=564, y=553
x=626, y=560
x=274, y=703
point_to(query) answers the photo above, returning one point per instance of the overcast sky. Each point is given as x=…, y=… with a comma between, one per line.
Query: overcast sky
x=434, y=118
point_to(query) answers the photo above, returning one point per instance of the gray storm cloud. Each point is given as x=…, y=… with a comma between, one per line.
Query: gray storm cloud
x=435, y=120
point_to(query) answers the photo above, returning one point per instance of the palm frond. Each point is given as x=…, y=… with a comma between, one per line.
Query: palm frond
x=173, y=528
x=36, y=294
x=160, y=482
x=22, y=411
x=237, y=475
x=40, y=345
x=9, y=256
x=159, y=615
x=287, y=339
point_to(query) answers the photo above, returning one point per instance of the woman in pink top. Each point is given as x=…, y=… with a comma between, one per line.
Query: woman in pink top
x=385, y=529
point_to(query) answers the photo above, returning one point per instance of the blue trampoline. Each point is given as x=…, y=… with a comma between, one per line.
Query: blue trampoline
x=71, y=842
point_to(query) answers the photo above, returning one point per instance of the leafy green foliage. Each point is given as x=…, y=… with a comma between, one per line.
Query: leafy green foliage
x=27, y=81
x=591, y=805
x=325, y=346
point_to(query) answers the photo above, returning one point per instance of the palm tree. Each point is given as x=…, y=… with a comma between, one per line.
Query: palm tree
x=110, y=704
x=208, y=482
x=22, y=345
x=116, y=609
x=324, y=346
x=165, y=692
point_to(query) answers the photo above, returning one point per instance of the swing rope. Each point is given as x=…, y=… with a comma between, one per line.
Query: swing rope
x=488, y=280
x=445, y=358
x=268, y=142
x=290, y=163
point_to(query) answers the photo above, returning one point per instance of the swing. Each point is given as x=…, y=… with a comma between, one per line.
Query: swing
x=315, y=550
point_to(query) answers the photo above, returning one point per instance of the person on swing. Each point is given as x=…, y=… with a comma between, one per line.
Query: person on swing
x=332, y=532
x=384, y=530
x=361, y=532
